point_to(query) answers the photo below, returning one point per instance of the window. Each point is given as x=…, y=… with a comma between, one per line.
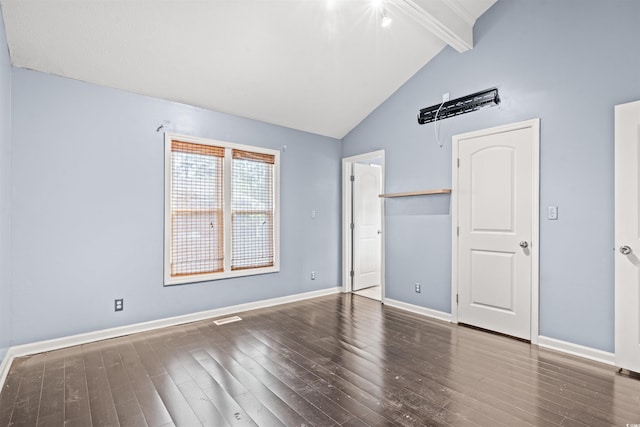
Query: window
x=221, y=210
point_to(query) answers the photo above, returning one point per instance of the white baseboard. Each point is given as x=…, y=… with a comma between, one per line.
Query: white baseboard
x=5, y=365
x=435, y=314
x=546, y=342
x=577, y=350
x=54, y=344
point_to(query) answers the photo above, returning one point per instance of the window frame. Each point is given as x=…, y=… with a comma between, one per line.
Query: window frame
x=226, y=211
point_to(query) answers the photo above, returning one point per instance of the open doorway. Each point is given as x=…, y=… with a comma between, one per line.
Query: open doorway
x=363, y=225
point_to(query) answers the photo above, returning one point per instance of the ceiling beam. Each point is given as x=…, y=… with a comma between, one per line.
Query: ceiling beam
x=446, y=19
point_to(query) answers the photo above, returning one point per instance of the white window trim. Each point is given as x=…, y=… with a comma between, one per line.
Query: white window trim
x=227, y=273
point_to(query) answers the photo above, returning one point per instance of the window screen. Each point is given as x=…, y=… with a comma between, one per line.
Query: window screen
x=197, y=224
x=252, y=210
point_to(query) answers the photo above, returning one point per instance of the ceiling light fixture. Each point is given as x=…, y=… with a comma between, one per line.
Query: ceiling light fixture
x=386, y=19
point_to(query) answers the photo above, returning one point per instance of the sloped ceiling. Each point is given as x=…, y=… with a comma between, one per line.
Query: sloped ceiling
x=319, y=66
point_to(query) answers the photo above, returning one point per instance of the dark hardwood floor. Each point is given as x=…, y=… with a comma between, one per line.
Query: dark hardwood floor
x=336, y=360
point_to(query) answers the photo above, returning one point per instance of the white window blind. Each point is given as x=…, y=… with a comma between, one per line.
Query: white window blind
x=252, y=210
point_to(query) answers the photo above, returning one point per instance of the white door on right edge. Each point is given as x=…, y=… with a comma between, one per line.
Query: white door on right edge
x=495, y=203
x=627, y=236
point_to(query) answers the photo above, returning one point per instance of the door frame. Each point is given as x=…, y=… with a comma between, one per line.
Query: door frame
x=347, y=210
x=534, y=125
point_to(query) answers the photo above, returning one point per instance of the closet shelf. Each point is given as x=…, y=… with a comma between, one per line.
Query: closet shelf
x=417, y=193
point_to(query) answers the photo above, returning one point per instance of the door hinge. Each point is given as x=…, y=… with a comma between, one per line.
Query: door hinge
x=456, y=298
x=352, y=226
x=458, y=231
x=351, y=273
x=458, y=162
x=353, y=178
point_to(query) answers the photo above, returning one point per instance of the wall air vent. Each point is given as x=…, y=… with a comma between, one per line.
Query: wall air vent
x=227, y=320
x=462, y=105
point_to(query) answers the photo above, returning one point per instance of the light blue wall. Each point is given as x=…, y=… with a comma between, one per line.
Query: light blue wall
x=5, y=193
x=88, y=205
x=567, y=62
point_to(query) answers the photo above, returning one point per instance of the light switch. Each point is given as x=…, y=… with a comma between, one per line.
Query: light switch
x=552, y=212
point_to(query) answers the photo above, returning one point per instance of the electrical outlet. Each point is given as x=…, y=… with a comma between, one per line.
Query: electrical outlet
x=119, y=304
x=418, y=288
x=313, y=214
x=313, y=275
x=552, y=212
x=445, y=97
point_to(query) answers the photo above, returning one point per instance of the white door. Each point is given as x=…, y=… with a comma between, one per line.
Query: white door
x=627, y=236
x=495, y=212
x=367, y=229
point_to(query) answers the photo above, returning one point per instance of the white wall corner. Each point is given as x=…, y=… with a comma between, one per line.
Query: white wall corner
x=428, y=312
x=577, y=350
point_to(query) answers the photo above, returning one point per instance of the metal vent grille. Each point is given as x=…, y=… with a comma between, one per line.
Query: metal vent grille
x=227, y=320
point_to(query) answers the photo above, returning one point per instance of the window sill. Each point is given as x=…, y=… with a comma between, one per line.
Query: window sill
x=197, y=278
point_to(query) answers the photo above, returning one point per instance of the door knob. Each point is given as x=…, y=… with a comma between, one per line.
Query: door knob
x=524, y=244
x=379, y=231
x=625, y=250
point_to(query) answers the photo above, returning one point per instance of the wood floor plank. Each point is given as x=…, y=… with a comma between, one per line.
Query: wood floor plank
x=178, y=407
x=127, y=407
x=125, y=401
x=269, y=398
x=290, y=377
x=362, y=385
x=76, y=395
x=423, y=386
x=336, y=360
x=149, y=401
x=315, y=384
x=233, y=413
x=10, y=390
x=282, y=356
x=336, y=385
x=391, y=377
x=506, y=406
x=51, y=409
x=101, y=404
x=205, y=410
x=258, y=412
x=27, y=401
x=154, y=410
x=133, y=366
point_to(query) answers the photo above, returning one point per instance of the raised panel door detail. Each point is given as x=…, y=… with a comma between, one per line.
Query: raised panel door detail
x=492, y=187
x=492, y=281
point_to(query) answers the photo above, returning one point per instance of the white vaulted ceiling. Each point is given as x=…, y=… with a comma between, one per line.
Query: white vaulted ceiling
x=319, y=66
